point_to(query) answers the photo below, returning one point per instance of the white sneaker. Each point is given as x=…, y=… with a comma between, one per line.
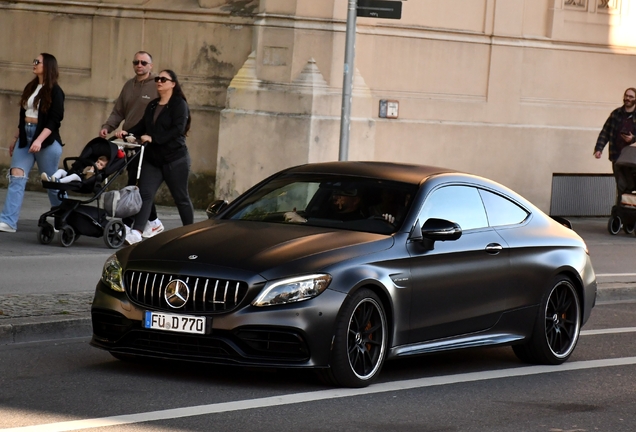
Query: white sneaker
x=133, y=237
x=152, y=228
x=6, y=228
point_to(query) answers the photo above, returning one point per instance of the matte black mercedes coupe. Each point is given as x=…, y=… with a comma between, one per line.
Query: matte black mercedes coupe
x=341, y=266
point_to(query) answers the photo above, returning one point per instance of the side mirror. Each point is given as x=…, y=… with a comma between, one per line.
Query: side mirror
x=441, y=230
x=215, y=208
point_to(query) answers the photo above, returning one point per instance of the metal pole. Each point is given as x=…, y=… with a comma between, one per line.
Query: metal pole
x=349, y=68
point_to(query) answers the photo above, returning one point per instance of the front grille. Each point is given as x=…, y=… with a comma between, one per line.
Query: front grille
x=250, y=347
x=206, y=294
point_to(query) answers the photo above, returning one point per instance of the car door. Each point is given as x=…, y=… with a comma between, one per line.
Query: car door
x=459, y=286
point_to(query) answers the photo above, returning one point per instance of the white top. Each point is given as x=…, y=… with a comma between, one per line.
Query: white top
x=31, y=111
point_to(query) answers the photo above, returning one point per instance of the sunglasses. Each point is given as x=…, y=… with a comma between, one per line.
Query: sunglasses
x=162, y=79
x=36, y=62
x=143, y=62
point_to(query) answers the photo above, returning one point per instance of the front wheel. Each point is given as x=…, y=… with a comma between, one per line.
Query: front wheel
x=114, y=233
x=628, y=227
x=46, y=233
x=67, y=236
x=557, y=327
x=360, y=342
x=614, y=225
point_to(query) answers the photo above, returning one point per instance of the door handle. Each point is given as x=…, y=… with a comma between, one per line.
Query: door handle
x=493, y=248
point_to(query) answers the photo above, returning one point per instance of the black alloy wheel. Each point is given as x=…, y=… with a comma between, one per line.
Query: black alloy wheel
x=557, y=328
x=360, y=343
x=46, y=233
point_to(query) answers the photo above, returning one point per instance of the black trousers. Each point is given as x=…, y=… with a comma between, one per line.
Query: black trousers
x=175, y=175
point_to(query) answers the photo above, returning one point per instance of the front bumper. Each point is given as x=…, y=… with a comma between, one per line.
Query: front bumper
x=294, y=335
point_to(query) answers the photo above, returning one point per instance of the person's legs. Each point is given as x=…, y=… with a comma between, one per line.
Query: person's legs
x=176, y=177
x=48, y=160
x=21, y=163
x=59, y=173
x=150, y=180
x=69, y=178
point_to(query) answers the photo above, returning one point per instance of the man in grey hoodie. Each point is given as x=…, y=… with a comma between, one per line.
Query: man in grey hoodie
x=129, y=108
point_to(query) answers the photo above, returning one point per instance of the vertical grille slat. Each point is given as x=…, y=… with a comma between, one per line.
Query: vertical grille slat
x=152, y=291
x=214, y=296
x=148, y=289
x=205, y=293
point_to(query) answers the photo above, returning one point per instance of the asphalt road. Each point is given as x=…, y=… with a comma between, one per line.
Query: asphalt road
x=67, y=385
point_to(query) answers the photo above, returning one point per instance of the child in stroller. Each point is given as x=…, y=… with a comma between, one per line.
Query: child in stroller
x=90, y=169
x=73, y=217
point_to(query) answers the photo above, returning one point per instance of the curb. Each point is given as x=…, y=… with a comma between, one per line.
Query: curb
x=37, y=329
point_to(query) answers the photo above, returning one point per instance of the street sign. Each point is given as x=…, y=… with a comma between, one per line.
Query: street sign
x=379, y=9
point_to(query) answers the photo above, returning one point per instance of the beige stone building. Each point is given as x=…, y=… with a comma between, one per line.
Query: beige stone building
x=516, y=90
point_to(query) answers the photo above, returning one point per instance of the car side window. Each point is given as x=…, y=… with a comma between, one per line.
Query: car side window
x=501, y=211
x=459, y=204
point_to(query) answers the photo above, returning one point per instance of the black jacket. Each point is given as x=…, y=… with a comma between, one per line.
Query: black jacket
x=168, y=132
x=51, y=119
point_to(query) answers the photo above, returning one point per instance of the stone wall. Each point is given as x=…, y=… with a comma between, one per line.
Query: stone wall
x=516, y=90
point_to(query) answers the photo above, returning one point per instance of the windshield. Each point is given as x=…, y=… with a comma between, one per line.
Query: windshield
x=359, y=204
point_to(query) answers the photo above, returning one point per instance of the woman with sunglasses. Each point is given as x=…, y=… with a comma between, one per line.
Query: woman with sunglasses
x=37, y=138
x=163, y=130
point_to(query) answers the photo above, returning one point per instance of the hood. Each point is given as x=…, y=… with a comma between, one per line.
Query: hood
x=257, y=246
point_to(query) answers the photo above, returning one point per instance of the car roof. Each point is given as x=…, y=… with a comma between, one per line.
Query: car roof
x=405, y=173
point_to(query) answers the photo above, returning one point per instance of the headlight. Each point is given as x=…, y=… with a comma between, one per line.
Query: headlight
x=292, y=290
x=111, y=275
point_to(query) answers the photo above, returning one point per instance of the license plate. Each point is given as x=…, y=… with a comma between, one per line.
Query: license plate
x=174, y=322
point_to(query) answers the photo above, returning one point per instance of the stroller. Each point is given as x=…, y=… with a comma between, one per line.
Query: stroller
x=73, y=217
x=624, y=211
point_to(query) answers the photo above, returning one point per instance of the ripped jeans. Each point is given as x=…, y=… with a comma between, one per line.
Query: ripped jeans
x=47, y=159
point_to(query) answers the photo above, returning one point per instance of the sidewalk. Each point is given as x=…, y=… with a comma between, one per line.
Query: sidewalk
x=34, y=317
x=27, y=317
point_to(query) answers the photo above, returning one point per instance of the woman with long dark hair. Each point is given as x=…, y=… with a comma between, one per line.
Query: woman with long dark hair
x=163, y=130
x=37, y=138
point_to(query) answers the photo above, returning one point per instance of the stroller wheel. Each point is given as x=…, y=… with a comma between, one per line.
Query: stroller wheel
x=67, y=236
x=114, y=233
x=614, y=225
x=628, y=228
x=46, y=233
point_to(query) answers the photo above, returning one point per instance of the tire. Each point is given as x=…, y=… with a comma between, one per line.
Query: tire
x=67, y=236
x=614, y=225
x=557, y=327
x=46, y=233
x=114, y=233
x=360, y=342
x=628, y=228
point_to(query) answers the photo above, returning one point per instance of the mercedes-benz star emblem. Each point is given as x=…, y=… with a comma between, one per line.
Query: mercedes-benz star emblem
x=177, y=293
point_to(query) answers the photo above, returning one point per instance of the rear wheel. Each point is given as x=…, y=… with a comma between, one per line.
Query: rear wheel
x=114, y=233
x=629, y=227
x=46, y=233
x=614, y=225
x=557, y=327
x=67, y=236
x=360, y=342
